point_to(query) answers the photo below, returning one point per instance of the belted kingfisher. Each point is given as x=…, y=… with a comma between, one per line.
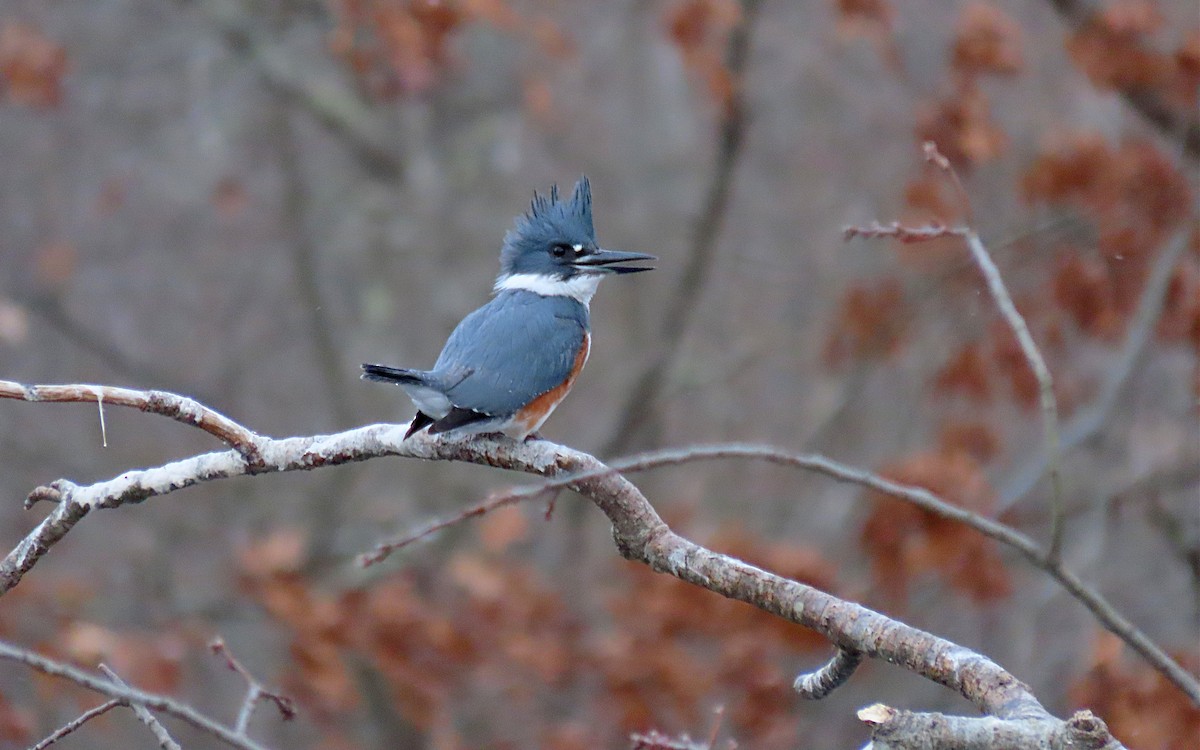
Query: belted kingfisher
x=511, y=362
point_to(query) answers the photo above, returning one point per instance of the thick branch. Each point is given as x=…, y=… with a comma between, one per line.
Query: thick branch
x=635, y=523
x=179, y=408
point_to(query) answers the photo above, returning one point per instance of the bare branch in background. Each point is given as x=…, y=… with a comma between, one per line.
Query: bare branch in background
x=255, y=692
x=1180, y=127
x=132, y=696
x=1033, y=355
x=331, y=101
x=165, y=740
x=1088, y=422
x=640, y=413
x=75, y=724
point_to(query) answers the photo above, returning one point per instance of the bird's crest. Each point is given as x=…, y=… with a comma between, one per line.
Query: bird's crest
x=551, y=219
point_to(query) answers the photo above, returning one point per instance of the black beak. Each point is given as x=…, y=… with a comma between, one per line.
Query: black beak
x=602, y=261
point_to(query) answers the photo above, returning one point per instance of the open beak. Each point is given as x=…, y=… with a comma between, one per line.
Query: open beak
x=604, y=261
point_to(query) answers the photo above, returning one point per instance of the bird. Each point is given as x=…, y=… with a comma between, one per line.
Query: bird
x=511, y=362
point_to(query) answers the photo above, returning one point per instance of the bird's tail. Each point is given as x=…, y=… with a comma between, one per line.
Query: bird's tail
x=385, y=374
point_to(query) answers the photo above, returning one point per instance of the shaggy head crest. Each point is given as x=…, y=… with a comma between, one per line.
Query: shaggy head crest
x=550, y=221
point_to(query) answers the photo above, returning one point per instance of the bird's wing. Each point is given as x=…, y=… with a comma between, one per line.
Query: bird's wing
x=515, y=348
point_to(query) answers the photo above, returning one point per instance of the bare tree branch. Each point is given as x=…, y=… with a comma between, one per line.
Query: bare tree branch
x=1181, y=127
x=1008, y=311
x=180, y=408
x=633, y=519
x=641, y=407
x=75, y=724
x=1087, y=422
x=165, y=740
x=895, y=728
x=1092, y=599
x=255, y=691
x=129, y=695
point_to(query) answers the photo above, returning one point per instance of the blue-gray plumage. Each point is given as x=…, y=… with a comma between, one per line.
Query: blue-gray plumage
x=508, y=364
x=520, y=345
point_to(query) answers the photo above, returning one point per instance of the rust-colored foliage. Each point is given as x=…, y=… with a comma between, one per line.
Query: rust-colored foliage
x=16, y=723
x=966, y=373
x=1085, y=290
x=906, y=543
x=396, y=47
x=31, y=66
x=1115, y=48
x=870, y=323
x=961, y=125
x=150, y=660
x=986, y=41
x=874, y=20
x=1180, y=320
x=489, y=634
x=976, y=439
x=1139, y=705
x=700, y=29
x=1135, y=196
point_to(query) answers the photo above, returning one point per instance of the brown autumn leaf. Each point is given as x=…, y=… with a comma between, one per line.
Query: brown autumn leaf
x=1083, y=288
x=1180, y=319
x=1114, y=50
x=1136, y=701
x=31, y=66
x=965, y=373
x=151, y=660
x=700, y=30
x=987, y=41
x=975, y=438
x=16, y=722
x=906, y=543
x=395, y=47
x=871, y=323
x=961, y=125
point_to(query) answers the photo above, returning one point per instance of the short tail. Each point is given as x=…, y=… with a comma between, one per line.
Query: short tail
x=384, y=374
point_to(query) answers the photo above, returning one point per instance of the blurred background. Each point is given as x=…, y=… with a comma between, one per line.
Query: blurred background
x=241, y=200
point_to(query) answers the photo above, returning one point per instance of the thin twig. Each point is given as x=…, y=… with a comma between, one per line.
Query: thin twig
x=165, y=740
x=112, y=689
x=76, y=723
x=255, y=692
x=1089, y=421
x=1033, y=356
x=1045, y=385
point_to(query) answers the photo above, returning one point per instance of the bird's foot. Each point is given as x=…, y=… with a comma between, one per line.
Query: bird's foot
x=533, y=436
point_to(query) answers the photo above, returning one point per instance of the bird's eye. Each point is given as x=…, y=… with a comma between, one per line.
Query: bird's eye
x=559, y=251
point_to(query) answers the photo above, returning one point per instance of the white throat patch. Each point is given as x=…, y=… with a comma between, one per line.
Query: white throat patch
x=580, y=288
